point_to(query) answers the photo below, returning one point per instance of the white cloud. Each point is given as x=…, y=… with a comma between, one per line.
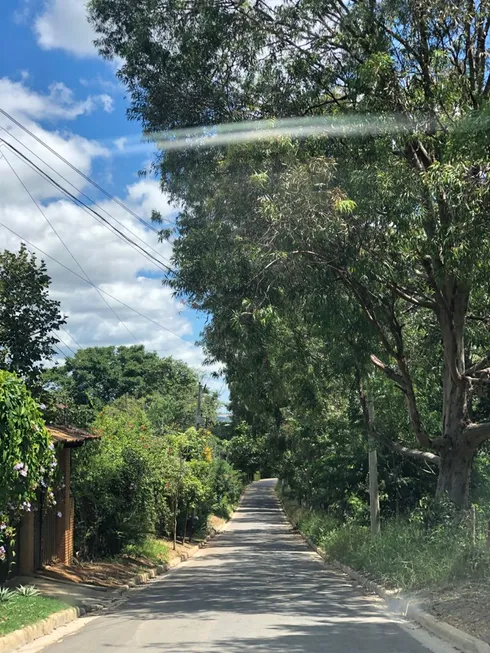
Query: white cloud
x=58, y=103
x=63, y=25
x=107, y=260
x=147, y=194
x=120, y=143
x=22, y=12
x=28, y=106
x=112, y=265
x=106, y=84
x=107, y=102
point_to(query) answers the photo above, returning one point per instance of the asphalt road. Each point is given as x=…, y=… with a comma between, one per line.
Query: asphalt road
x=256, y=587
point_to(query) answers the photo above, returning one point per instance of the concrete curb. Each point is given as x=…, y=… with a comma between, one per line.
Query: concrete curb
x=28, y=634
x=18, y=638
x=159, y=570
x=400, y=604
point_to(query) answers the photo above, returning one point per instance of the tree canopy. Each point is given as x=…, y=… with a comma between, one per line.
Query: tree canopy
x=381, y=217
x=103, y=374
x=96, y=376
x=28, y=316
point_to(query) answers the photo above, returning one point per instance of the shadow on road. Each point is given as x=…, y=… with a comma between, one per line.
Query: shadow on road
x=257, y=587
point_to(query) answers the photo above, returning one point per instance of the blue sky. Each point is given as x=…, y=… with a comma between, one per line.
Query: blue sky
x=54, y=83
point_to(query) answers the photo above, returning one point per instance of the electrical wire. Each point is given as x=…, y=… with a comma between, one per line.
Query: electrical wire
x=87, y=208
x=72, y=337
x=60, y=352
x=36, y=203
x=81, y=192
x=75, y=169
x=67, y=346
x=146, y=317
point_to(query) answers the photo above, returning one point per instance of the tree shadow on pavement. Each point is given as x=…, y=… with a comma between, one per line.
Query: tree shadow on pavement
x=257, y=587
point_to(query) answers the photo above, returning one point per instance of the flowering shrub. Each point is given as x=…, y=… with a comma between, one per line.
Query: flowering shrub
x=27, y=457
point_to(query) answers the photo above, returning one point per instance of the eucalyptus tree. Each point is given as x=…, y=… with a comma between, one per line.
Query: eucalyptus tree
x=392, y=208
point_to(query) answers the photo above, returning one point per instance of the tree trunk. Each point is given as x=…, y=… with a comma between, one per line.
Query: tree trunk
x=373, y=470
x=455, y=474
x=456, y=452
x=185, y=523
x=175, y=522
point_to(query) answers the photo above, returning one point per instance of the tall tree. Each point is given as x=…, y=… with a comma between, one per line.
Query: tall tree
x=28, y=316
x=97, y=376
x=399, y=221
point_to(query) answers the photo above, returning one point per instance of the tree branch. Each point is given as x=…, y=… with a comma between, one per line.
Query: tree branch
x=423, y=303
x=404, y=383
x=477, y=367
x=477, y=433
x=413, y=453
x=332, y=100
x=482, y=380
x=390, y=373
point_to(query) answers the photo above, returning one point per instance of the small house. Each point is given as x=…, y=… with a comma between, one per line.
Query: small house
x=46, y=533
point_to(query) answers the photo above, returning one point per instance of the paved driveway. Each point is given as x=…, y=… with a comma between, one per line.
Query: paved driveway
x=257, y=587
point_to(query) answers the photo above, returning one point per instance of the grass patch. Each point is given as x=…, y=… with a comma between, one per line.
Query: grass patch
x=406, y=555
x=152, y=549
x=22, y=611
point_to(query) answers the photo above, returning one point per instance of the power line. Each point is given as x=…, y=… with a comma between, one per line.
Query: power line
x=74, y=168
x=87, y=208
x=92, y=284
x=72, y=337
x=92, y=212
x=81, y=192
x=67, y=248
x=67, y=346
x=60, y=352
x=60, y=327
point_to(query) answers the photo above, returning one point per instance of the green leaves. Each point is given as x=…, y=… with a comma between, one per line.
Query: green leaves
x=28, y=458
x=128, y=484
x=96, y=376
x=27, y=315
x=345, y=206
x=310, y=252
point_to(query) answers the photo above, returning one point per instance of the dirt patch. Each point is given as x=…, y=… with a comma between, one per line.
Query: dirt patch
x=216, y=522
x=181, y=550
x=466, y=607
x=102, y=574
x=110, y=573
x=117, y=572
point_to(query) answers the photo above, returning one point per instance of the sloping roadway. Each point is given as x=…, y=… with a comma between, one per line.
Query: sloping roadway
x=256, y=587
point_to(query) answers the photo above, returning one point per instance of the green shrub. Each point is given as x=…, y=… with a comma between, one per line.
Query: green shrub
x=407, y=555
x=27, y=590
x=154, y=550
x=133, y=484
x=27, y=458
x=115, y=482
x=5, y=594
x=227, y=486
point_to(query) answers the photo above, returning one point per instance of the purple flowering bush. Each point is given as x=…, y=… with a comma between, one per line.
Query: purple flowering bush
x=27, y=457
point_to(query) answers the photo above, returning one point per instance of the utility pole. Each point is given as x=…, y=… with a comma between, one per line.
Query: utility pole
x=198, y=408
x=373, y=470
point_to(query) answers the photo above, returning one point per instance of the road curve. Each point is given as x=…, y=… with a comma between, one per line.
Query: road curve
x=257, y=587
